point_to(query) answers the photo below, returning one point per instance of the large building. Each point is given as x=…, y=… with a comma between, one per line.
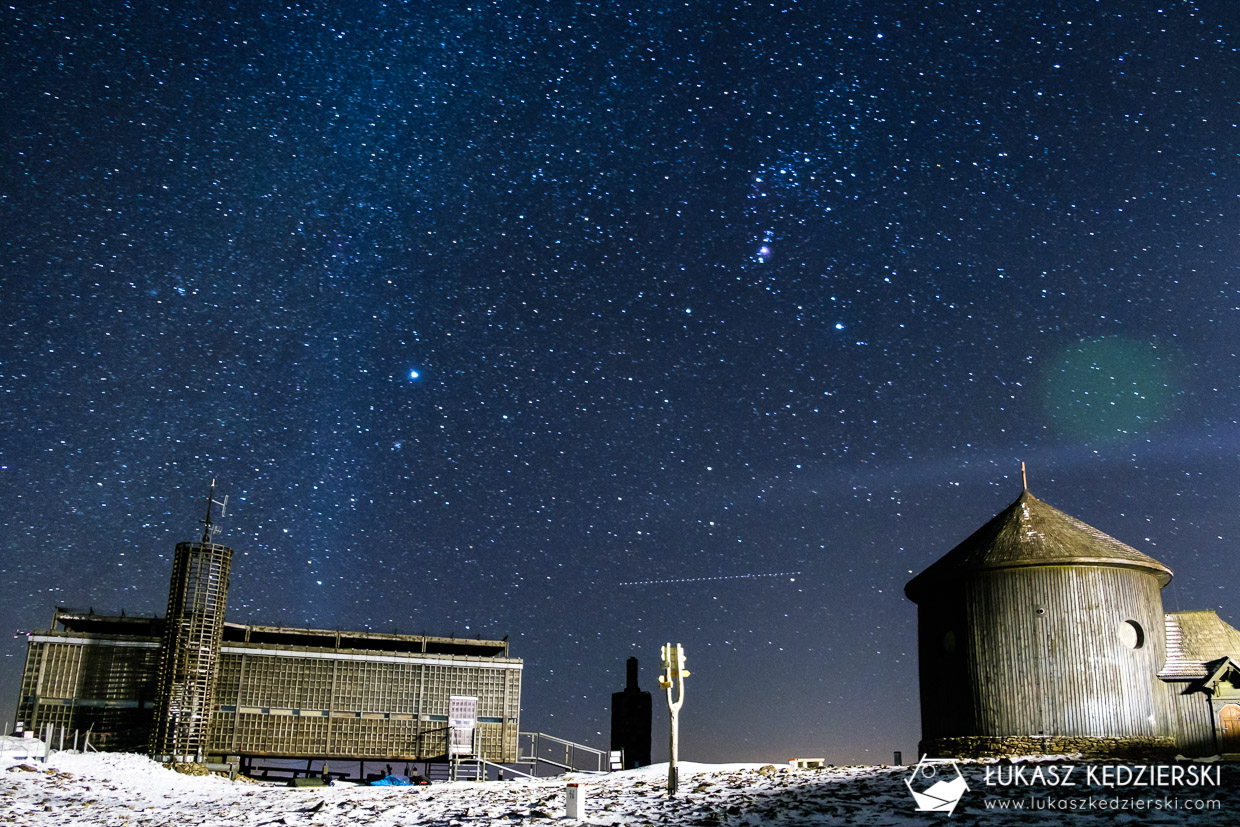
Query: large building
x=279, y=692
x=1041, y=634
x=191, y=685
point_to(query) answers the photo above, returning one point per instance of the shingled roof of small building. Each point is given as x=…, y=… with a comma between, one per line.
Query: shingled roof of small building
x=1031, y=533
x=1196, y=639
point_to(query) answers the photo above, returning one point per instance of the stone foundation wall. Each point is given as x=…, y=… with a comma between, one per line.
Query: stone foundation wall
x=991, y=746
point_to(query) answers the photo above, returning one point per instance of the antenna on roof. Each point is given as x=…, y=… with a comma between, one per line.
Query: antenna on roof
x=1024, y=478
x=211, y=528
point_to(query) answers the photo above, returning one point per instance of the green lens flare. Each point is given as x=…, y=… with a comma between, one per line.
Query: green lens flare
x=1107, y=390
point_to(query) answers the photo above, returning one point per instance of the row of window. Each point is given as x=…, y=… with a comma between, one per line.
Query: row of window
x=405, y=688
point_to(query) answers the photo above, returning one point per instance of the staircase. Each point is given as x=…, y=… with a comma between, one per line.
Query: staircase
x=464, y=769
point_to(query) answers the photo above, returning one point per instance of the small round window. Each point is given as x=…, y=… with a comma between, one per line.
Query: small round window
x=1131, y=634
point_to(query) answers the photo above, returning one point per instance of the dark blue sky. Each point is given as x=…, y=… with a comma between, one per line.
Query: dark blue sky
x=764, y=300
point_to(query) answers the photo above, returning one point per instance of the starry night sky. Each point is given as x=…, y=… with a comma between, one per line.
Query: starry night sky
x=600, y=325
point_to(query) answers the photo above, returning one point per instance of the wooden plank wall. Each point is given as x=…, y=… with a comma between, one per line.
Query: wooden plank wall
x=1042, y=651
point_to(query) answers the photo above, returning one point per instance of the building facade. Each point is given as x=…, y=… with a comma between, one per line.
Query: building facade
x=94, y=675
x=307, y=692
x=279, y=692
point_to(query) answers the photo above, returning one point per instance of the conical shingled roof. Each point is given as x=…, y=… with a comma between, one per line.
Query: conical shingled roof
x=1031, y=533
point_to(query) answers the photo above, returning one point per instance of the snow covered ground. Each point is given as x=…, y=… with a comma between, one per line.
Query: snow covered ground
x=116, y=790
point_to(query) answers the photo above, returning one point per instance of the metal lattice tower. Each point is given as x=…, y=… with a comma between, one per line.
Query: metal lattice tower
x=190, y=652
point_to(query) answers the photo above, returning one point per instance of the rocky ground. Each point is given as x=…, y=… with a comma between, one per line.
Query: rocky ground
x=132, y=791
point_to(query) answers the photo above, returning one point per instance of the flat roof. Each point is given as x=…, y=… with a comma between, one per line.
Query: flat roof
x=89, y=623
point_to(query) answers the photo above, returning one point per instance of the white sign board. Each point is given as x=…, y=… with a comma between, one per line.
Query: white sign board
x=462, y=719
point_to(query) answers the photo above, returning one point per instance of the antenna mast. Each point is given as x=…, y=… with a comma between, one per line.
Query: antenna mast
x=1024, y=478
x=212, y=529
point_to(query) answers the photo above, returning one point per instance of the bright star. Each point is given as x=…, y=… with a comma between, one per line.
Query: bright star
x=414, y=375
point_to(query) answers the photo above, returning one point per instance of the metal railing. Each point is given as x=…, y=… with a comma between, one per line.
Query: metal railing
x=52, y=740
x=502, y=770
x=538, y=748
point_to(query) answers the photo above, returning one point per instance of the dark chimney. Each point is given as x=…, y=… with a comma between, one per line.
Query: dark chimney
x=630, y=720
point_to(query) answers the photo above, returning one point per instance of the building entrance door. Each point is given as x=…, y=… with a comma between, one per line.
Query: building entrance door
x=1229, y=726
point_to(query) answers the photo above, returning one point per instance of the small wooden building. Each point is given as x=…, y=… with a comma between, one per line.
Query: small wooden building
x=1203, y=674
x=1041, y=634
